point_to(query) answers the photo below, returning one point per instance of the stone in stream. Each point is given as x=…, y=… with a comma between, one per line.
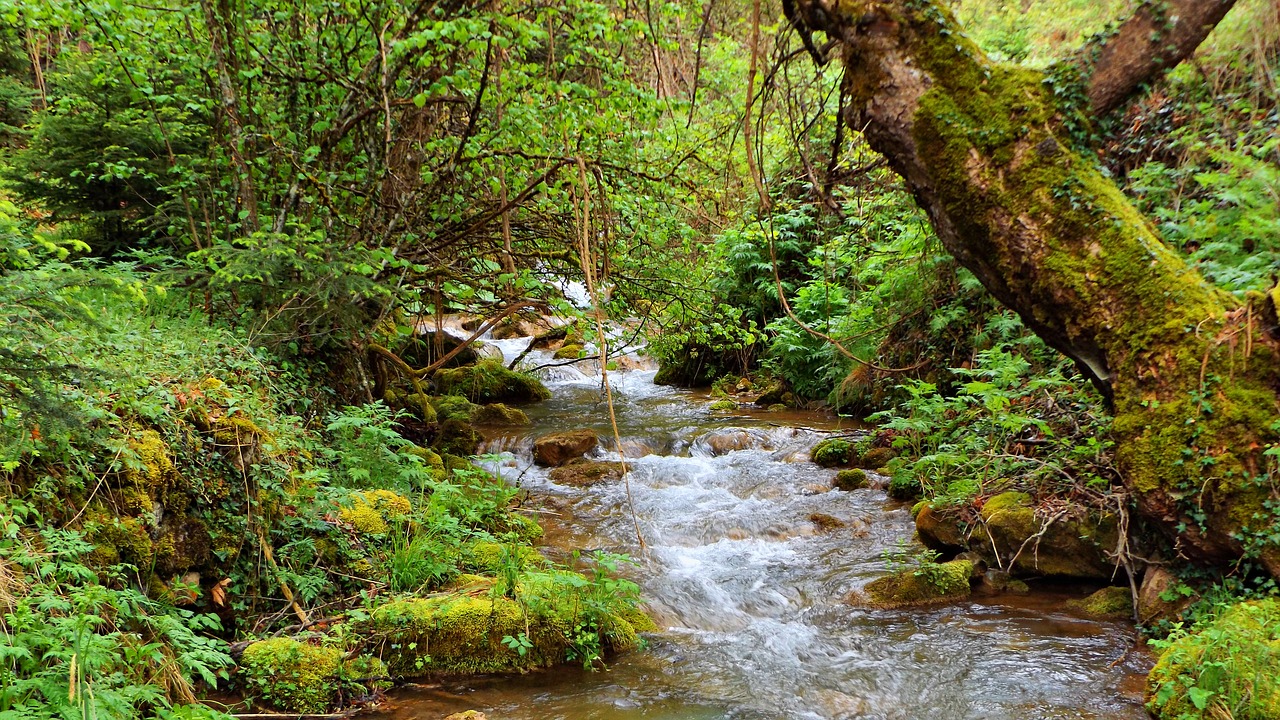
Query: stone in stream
x=825, y=523
x=1158, y=584
x=1008, y=529
x=1109, y=603
x=499, y=414
x=926, y=585
x=585, y=473
x=467, y=715
x=559, y=448
x=851, y=480
x=723, y=442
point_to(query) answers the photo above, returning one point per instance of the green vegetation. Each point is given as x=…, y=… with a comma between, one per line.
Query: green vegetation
x=1225, y=666
x=231, y=240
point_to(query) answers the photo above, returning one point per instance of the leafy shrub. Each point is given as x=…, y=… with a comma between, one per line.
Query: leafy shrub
x=1228, y=666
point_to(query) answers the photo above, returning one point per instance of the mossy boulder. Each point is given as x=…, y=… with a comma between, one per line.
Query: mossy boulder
x=940, y=530
x=499, y=414
x=457, y=437
x=1068, y=547
x=851, y=480
x=1109, y=603
x=832, y=452
x=724, y=406
x=488, y=381
x=301, y=678
x=931, y=583
x=569, y=352
x=462, y=635
x=874, y=458
x=775, y=394
x=559, y=448
x=453, y=407
x=484, y=556
x=585, y=473
x=430, y=459
x=1228, y=667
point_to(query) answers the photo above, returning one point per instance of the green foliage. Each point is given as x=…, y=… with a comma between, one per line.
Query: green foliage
x=1008, y=424
x=76, y=641
x=368, y=452
x=1225, y=666
x=1228, y=222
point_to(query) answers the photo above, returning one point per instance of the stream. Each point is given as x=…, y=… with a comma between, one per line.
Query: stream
x=752, y=594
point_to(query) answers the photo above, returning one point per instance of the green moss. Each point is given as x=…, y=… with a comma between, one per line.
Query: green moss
x=569, y=352
x=430, y=458
x=457, y=634
x=851, y=480
x=487, y=557
x=291, y=675
x=639, y=619
x=1228, y=667
x=1010, y=518
x=526, y=528
x=489, y=381
x=119, y=539
x=933, y=583
x=1109, y=603
x=832, y=452
x=724, y=406
x=876, y=458
x=499, y=414
x=453, y=407
x=457, y=438
x=373, y=511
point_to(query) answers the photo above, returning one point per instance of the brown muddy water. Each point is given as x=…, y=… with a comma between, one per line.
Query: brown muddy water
x=751, y=593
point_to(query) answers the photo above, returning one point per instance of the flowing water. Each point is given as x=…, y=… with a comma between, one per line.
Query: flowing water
x=752, y=594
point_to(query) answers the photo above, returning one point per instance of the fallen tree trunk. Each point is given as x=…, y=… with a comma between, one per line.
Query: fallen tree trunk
x=1192, y=372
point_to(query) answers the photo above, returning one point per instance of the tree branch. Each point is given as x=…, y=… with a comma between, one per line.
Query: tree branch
x=1159, y=35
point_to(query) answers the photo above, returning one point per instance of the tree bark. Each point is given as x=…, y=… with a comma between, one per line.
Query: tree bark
x=1159, y=35
x=1192, y=372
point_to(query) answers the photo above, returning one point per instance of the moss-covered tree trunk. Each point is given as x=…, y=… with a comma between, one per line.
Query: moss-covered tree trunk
x=1192, y=372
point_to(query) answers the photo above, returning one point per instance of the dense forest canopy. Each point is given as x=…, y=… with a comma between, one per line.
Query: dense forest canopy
x=1034, y=244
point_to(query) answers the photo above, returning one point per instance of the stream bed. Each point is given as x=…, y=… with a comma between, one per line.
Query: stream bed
x=752, y=593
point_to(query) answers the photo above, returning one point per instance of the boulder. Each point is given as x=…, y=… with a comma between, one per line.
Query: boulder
x=499, y=414
x=297, y=677
x=851, y=480
x=489, y=381
x=825, y=523
x=453, y=407
x=1158, y=584
x=568, y=352
x=929, y=584
x=457, y=438
x=939, y=530
x=1109, y=603
x=832, y=452
x=995, y=581
x=585, y=473
x=1011, y=531
x=557, y=449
